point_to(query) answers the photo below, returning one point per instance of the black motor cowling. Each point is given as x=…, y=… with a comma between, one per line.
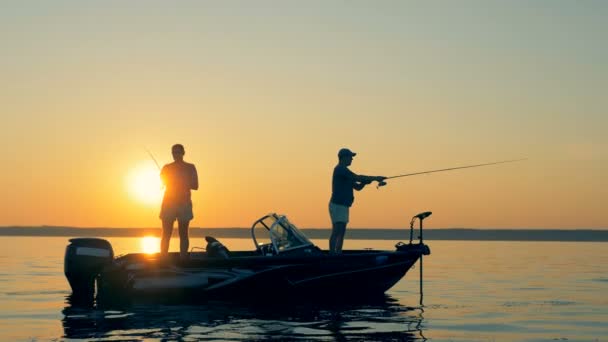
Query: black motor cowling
x=84, y=260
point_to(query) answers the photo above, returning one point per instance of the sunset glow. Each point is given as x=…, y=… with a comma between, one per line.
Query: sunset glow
x=144, y=185
x=150, y=245
x=263, y=100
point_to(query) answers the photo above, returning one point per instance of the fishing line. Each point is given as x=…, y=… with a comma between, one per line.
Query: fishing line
x=383, y=183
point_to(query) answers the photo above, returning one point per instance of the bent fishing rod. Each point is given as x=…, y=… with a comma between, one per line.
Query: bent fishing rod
x=383, y=183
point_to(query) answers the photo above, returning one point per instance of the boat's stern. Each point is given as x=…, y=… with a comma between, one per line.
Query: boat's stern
x=84, y=260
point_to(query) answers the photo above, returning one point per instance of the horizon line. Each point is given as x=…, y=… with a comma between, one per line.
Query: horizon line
x=309, y=228
x=462, y=234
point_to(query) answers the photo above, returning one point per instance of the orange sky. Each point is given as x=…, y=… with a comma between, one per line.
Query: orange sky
x=263, y=96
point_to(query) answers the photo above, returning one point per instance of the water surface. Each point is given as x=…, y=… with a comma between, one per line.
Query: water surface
x=473, y=291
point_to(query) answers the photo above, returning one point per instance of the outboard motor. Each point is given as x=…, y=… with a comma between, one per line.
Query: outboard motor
x=215, y=249
x=84, y=260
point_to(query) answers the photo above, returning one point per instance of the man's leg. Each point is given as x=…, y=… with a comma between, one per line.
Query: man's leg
x=337, y=237
x=184, y=242
x=340, y=238
x=332, y=239
x=166, y=235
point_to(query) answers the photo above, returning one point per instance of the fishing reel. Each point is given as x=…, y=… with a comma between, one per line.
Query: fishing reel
x=381, y=183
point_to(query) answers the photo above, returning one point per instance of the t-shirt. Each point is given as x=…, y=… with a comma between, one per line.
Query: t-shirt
x=178, y=178
x=342, y=186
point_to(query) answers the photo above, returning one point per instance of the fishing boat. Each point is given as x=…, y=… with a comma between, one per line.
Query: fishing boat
x=283, y=263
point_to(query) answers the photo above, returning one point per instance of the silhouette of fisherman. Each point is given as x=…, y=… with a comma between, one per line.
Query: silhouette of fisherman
x=342, y=196
x=178, y=178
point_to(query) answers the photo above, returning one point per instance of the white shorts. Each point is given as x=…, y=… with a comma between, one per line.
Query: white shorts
x=338, y=213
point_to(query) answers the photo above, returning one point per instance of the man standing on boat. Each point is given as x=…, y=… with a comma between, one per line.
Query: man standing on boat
x=342, y=196
x=178, y=178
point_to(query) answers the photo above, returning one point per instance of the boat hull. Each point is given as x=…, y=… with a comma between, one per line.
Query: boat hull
x=246, y=276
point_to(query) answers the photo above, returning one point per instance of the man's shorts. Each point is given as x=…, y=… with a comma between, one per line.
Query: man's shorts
x=338, y=213
x=180, y=212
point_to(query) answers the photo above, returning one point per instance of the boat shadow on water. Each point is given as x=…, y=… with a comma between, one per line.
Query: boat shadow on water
x=380, y=318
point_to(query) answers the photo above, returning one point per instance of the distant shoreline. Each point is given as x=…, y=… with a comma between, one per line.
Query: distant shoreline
x=461, y=234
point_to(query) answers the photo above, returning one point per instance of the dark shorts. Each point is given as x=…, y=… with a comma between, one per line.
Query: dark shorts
x=180, y=212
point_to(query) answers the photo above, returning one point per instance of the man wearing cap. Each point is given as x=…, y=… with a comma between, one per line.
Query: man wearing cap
x=178, y=178
x=342, y=196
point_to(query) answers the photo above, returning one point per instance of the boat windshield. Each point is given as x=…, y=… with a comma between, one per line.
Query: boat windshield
x=279, y=232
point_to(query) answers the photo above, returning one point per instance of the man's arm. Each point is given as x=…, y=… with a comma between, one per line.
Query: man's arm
x=359, y=185
x=194, y=181
x=360, y=181
x=367, y=179
x=163, y=176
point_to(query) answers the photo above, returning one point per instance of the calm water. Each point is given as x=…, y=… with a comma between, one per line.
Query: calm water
x=474, y=291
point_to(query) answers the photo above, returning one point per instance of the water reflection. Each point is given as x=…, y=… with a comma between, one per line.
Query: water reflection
x=380, y=319
x=150, y=245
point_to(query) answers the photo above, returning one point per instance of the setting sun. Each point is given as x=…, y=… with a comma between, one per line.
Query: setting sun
x=150, y=245
x=143, y=183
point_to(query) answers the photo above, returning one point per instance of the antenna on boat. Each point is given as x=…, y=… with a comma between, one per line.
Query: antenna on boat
x=383, y=183
x=420, y=218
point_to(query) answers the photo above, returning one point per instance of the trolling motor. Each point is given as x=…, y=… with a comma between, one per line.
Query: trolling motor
x=426, y=250
x=418, y=248
x=420, y=218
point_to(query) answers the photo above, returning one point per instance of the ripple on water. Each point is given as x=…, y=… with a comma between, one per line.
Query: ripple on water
x=529, y=288
x=38, y=293
x=537, y=303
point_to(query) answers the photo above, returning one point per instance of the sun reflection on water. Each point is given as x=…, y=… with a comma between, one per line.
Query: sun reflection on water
x=150, y=244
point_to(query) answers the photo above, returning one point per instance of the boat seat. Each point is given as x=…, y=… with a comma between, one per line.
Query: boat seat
x=216, y=249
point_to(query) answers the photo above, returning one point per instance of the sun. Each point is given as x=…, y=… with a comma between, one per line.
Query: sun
x=144, y=185
x=150, y=244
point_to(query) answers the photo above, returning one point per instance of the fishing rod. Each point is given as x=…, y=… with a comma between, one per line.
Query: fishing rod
x=154, y=159
x=155, y=162
x=383, y=183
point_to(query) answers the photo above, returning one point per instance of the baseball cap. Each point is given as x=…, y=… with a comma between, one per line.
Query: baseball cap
x=344, y=152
